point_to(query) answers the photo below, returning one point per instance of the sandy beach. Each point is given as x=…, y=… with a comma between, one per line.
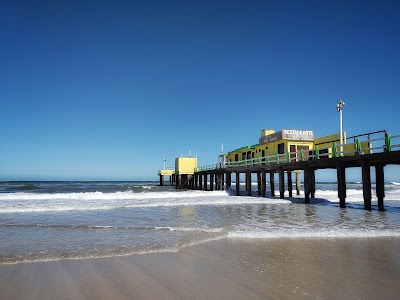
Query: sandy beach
x=225, y=269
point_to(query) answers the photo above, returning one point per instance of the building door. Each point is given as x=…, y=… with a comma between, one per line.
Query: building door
x=292, y=153
x=305, y=150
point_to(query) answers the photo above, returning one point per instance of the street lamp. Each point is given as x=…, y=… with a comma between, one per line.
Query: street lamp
x=339, y=108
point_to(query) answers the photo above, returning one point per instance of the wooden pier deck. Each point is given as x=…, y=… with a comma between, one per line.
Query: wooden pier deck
x=220, y=176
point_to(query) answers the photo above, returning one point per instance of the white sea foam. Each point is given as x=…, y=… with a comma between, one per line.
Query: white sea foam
x=29, y=202
x=211, y=230
x=308, y=234
x=23, y=202
x=126, y=195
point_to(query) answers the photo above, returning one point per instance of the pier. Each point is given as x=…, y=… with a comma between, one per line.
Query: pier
x=170, y=172
x=167, y=172
x=359, y=153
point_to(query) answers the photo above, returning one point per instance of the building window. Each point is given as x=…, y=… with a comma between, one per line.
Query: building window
x=281, y=148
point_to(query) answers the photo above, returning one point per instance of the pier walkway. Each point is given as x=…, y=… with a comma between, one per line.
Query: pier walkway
x=386, y=151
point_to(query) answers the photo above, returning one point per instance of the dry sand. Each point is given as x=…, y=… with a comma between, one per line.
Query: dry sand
x=226, y=269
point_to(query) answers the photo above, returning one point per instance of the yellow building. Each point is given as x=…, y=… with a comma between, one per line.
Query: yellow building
x=166, y=172
x=292, y=145
x=184, y=171
x=326, y=150
x=272, y=143
x=185, y=165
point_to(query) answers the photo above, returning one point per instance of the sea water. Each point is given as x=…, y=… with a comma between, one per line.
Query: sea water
x=74, y=220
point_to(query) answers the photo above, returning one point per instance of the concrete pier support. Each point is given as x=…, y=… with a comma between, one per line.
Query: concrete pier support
x=211, y=181
x=259, y=183
x=205, y=182
x=191, y=182
x=200, y=182
x=184, y=181
x=272, y=183
x=289, y=183
x=298, y=183
x=307, y=186
x=366, y=179
x=341, y=180
x=281, y=184
x=312, y=183
x=195, y=181
x=263, y=183
x=248, y=183
x=237, y=184
x=380, y=186
x=228, y=180
x=221, y=181
x=161, y=180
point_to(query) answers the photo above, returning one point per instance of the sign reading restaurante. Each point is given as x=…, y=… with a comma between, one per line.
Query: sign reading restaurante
x=288, y=134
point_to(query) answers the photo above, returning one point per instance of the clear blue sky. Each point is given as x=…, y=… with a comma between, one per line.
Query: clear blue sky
x=104, y=89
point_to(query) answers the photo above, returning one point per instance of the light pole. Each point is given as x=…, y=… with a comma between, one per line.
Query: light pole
x=339, y=108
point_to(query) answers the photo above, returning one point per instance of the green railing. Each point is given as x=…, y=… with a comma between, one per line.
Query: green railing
x=358, y=147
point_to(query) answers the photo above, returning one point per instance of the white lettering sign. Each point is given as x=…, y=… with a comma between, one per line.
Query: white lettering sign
x=295, y=134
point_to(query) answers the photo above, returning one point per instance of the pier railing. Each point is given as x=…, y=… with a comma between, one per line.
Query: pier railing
x=364, y=144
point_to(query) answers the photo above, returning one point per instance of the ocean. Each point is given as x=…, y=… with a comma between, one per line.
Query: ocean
x=42, y=221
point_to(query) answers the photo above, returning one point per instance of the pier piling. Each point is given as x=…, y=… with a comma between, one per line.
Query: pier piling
x=366, y=179
x=281, y=184
x=200, y=182
x=228, y=180
x=290, y=184
x=272, y=183
x=341, y=181
x=380, y=185
x=237, y=184
x=263, y=183
x=248, y=183
x=298, y=183
x=307, y=187
x=312, y=183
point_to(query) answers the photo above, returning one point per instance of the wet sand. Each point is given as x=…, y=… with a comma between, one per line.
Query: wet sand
x=226, y=269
